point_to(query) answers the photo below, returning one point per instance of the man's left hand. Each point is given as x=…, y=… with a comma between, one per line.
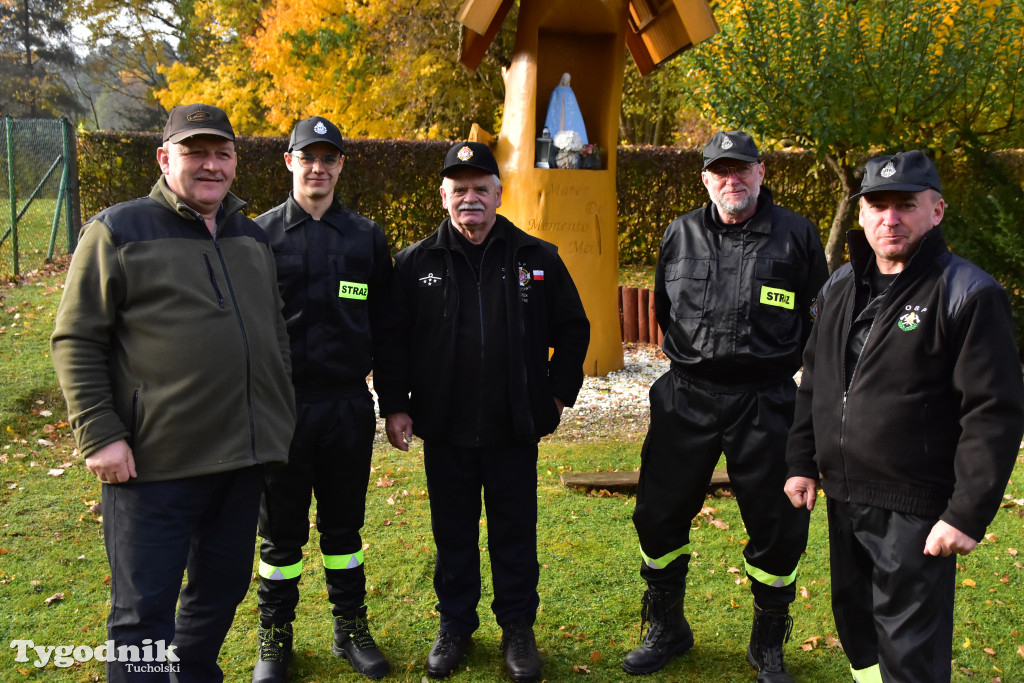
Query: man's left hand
x=945, y=540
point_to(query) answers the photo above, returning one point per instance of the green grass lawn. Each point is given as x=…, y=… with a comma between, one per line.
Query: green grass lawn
x=51, y=544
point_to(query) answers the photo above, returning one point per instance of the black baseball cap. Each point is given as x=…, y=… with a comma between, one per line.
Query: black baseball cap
x=731, y=144
x=909, y=171
x=187, y=120
x=469, y=155
x=315, y=129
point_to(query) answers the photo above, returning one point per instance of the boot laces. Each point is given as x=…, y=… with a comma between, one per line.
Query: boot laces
x=358, y=629
x=272, y=643
x=519, y=641
x=775, y=634
x=445, y=644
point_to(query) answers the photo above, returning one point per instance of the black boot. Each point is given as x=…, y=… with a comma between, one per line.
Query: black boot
x=520, y=649
x=275, y=653
x=445, y=654
x=352, y=640
x=669, y=634
x=771, y=630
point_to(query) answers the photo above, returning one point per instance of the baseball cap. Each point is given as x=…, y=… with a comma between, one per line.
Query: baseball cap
x=901, y=172
x=732, y=144
x=188, y=120
x=315, y=129
x=470, y=155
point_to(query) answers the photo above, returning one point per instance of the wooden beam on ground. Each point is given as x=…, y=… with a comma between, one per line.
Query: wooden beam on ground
x=624, y=481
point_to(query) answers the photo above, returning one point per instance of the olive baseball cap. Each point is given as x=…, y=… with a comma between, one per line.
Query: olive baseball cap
x=469, y=155
x=731, y=144
x=901, y=172
x=188, y=120
x=315, y=129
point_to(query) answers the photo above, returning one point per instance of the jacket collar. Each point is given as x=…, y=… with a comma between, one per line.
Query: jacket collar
x=932, y=245
x=163, y=195
x=295, y=215
x=503, y=229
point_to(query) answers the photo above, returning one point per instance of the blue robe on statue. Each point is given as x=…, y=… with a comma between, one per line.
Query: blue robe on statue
x=563, y=111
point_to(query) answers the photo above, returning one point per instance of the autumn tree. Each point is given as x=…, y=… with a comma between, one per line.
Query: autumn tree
x=377, y=68
x=35, y=47
x=849, y=77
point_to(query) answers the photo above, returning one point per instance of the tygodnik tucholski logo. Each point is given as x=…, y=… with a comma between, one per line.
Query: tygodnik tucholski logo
x=151, y=657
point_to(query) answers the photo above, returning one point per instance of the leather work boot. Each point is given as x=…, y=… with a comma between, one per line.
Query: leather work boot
x=770, y=631
x=352, y=640
x=275, y=654
x=521, y=655
x=668, y=636
x=445, y=654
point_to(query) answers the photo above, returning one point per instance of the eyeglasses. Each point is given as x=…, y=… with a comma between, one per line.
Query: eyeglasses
x=328, y=161
x=741, y=171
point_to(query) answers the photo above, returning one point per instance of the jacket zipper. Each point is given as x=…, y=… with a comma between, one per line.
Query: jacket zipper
x=213, y=280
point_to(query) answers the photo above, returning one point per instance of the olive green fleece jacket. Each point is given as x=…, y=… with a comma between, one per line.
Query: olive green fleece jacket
x=174, y=340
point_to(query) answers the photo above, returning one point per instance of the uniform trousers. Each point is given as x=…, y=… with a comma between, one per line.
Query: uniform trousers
x=154, y=532
x=893, y=604
x=692, y=424
x=507, y=474
x=330, y=458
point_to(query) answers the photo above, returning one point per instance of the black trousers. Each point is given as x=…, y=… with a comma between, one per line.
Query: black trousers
x=893, y=604
x=154, y=533
x=692, y=424
x=330, y=458
x=508, y=477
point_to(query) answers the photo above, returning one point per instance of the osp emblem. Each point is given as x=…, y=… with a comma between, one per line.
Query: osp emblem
x=910, y=320
x=524, y=276
x=727, y=144
x=430, y=280
x=465, y=154
x=319, y=128
x=888, y=170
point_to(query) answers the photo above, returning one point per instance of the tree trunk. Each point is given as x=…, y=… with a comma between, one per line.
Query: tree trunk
x=843, y=218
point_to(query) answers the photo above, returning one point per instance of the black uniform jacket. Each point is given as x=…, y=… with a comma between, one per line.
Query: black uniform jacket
x=932, y=420
x=734, y=303
x=544, y=312
x=335, y=278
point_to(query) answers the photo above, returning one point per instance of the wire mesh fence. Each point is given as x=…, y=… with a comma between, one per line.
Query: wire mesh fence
x=38, y=193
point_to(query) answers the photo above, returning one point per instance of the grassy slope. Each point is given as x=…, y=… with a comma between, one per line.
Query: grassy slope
x=50, y=542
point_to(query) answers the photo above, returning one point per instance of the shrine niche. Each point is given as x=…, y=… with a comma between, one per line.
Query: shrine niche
x=569, y=201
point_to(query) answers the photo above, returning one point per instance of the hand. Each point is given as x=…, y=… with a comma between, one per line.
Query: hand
x=399, y=429
x=112, y=464
x=802, y=491
x=560, y=404
x=945, y=539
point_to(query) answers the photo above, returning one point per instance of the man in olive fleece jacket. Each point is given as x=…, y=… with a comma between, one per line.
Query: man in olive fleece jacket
x=173, y=356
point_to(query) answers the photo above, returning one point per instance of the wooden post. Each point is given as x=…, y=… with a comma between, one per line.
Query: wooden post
x=642, y=322
x=630, y=333
x=653, y=319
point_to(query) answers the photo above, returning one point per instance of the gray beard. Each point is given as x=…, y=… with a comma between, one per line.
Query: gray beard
x=734, y=208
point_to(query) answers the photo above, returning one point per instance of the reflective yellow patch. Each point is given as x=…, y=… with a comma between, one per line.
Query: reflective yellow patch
x=353, y=290
x=778, y=297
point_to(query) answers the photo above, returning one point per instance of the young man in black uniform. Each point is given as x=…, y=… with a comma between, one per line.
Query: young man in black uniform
x=911, y=409
x=733, y=285
x=480, y=303
x=334, y=272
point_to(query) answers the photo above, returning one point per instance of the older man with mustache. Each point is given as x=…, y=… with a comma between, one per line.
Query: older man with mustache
x=479, y=304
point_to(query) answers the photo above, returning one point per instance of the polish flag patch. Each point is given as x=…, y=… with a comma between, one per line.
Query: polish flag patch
x=538, y=275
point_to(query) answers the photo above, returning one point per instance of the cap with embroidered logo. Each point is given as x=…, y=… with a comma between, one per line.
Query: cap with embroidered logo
x=909, y=171
x=731, y=144
x=188, y=120
x=469, y=155
x=315, y=129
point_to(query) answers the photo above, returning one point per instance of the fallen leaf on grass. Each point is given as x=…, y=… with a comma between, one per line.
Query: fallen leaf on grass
x=989, y=651
x=804, y=593
x=580, y=669
x=55, y=472
x=967, y=643
x=56, y=597
x=384, y=482
x=969, y=583
x=595, y=656
x=810, y=644
x=1012, y=552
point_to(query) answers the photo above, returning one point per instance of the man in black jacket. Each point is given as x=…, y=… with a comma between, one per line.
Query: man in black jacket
x=733, y=285
x=334, y=272
x=479, y=304
x=910, y=414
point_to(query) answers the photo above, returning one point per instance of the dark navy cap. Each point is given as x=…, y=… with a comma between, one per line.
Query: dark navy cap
x=469, y=155
x=732, y=144
x=902, y=172
x=188, y=120
x=315, y=129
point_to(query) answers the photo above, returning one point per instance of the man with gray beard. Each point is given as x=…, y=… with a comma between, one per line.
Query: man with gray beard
x=733, y=292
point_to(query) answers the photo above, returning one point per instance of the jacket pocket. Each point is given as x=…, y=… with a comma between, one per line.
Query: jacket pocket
x=686, y=283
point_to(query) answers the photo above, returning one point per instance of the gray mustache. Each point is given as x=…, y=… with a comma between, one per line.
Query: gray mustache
x=471, y=206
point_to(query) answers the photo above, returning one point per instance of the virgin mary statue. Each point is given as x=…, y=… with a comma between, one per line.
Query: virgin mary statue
x=564, y=112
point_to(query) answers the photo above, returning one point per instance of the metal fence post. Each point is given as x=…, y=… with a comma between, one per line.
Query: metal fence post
x=9, y=131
